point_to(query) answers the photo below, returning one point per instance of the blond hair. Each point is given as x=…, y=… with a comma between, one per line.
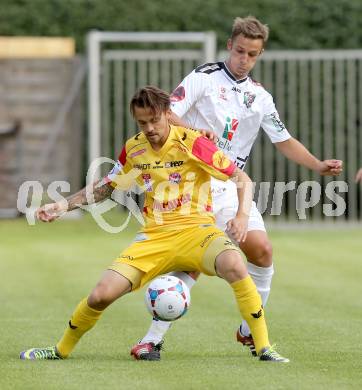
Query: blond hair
x=250, y=27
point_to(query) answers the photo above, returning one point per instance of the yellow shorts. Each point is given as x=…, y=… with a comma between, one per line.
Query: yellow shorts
x=153, y=254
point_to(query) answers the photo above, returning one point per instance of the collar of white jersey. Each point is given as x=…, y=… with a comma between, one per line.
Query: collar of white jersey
x=230, y=75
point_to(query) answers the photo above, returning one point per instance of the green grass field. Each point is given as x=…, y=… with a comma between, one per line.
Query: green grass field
x=314, y=315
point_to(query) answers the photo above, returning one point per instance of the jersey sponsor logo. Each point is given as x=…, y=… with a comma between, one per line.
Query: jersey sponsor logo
x=208, y=68
x=220, y=161
x=174, y=178
x=249, y=99
x=178, y=94
x=240, y=162
x=142, y=166
x=147, y=180
x=236, y=89
x=222, y=93
x=138, y=153
x=208, y=207
x=224, y=144
x=172, y=164
x=127, y=257
x=157, y=166
x=180, y=148
x=279, y=125
x=217, y=191
x=230, y=128
x=206, y=239
x=171, y=204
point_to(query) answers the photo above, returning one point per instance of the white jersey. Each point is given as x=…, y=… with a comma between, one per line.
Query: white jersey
x=211, y=98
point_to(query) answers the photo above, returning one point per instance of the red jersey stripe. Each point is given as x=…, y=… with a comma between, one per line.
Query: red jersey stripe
x=206, y=151
x=123, y=156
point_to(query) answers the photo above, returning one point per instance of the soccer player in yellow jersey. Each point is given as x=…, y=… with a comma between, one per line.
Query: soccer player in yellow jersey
x=174, y=165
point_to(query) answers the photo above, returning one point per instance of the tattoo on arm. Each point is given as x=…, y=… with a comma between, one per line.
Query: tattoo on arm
x=80, y=198
x=102, y=192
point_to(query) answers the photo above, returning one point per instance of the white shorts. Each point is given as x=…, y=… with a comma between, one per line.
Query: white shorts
x=225, y=205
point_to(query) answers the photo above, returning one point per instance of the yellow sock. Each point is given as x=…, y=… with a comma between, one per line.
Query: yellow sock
x=83, y=319
x=252, y=311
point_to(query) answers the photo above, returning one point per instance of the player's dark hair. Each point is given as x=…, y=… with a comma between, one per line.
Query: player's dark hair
x=150, y=97
x=250, y=27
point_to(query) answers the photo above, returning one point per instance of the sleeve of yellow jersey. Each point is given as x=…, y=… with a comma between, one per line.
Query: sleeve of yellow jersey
x=211, y=159
x=122, y=176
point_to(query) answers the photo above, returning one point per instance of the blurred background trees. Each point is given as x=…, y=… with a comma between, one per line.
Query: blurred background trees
x=295, y=24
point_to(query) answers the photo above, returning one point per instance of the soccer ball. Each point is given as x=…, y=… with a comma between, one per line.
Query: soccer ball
x=167, y=298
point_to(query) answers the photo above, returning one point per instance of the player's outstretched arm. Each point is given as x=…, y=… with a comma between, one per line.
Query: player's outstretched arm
x=295, y=151
x=237, y=227
x=359, y=175
x=51, y=211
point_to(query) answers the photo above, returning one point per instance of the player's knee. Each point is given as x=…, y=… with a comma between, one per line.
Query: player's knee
x=100, y=297
x=230, y=266
x=263, y=254
x=267, y=254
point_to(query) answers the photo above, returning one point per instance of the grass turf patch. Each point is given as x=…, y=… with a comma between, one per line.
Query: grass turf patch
x=314, y=315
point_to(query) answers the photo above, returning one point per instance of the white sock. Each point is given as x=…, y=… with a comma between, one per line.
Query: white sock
x=189, y=281
x=262, y=277
x=158, y=328
x=156, y=332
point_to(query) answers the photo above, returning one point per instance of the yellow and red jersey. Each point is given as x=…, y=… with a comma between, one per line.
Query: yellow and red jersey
x=175, y=179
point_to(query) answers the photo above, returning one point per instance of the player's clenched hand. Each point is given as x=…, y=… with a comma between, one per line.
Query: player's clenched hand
x=209, y=135
x=237, y=228
x=51, y=211
x=359, y=175
x=330, y=167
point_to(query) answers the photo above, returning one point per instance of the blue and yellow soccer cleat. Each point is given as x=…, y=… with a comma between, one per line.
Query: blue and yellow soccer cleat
x=271, y=355
x=48, y=353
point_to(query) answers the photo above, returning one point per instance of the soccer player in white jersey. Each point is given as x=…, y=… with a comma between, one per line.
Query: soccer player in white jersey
x=223, y=98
